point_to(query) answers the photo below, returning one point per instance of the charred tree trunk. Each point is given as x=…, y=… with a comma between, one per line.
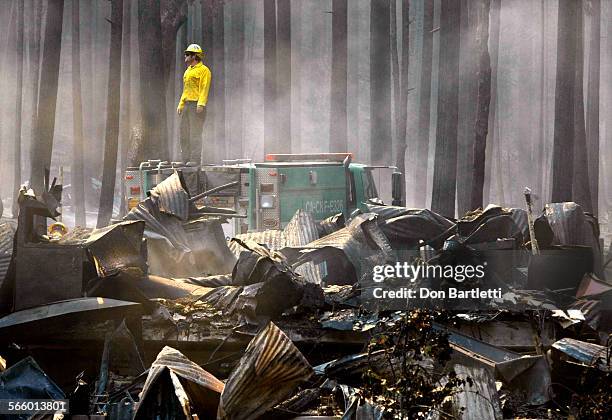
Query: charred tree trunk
x=380, y=82
x=482, y=102
x=493, y=160
x=283, y=56
x=152, y=91
x=592, y=114
x=468, y=68
x=399, y=72
x=422, y=138
x=173, y=15
x=45, y=122
x=237, y=90
x=445, y=163
x=581, y=187
x=126, y=116
x=563, y=161
x=34, y=57
x=338, y=141
x=540, y=159
x=111, y=139
x=77, y=170
x=19, y=50
x=218, y=84
x=270, y=75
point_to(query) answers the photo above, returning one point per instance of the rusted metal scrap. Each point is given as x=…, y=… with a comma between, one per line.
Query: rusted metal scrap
x=178, y=388
x=581, y=352
x=268, y=373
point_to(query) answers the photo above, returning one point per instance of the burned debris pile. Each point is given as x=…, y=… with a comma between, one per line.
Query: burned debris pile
x=158, y=316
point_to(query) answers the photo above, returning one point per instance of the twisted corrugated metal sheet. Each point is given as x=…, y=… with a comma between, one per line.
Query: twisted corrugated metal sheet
x=268, y=373
x=171, y=197
x=572, y=226
x=363, y=243
x=160, y=223
x=194, y=387
x=301, y=229
x=273, y=239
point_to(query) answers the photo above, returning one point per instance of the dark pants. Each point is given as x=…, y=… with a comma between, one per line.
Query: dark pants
x=191, y=132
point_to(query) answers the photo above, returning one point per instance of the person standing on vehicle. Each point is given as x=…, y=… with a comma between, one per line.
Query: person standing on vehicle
x=192, y=105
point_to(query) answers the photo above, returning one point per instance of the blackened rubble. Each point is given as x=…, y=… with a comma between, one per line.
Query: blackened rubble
x=158, y=315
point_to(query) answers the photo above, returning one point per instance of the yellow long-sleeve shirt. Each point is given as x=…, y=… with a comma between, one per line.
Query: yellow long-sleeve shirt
x=196, y=84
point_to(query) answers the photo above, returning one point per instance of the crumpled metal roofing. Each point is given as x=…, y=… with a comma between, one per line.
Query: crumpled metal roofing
x=117, y=247
x=171, y=197
x=167, y=226
x=362, y=241
x=268, y=373
x=589, y=354
x=273, y=239
x=572, y=226
x=193, y=386
x=82, y=307
x=301, y=230
x=26, y=380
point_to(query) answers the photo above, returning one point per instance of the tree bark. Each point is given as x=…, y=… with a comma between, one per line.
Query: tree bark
x=445, y=163
x=35, y=30
x=564, y=131
x=19, y=51
x=283, y=56
x=237, y=89
x=45, y=123
x=77, y=170
x=592, y=114
x=338, y=141
x=581, y=193
x=380, y=82
x=152, y=90
x=399, y=72
x=111, y=139
x=491, y=162
x=270, y=75
x=482, y=102
x=218, y=84
x=173, y=14
x=422, y=138
x=126, y=115
x=468, y=68
x=540, y=159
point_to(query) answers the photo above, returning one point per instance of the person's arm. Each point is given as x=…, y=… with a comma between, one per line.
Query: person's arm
x=181, y=103
x=204, y=88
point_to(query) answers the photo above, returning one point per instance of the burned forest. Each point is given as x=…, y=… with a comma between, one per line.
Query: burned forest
x=306, y=209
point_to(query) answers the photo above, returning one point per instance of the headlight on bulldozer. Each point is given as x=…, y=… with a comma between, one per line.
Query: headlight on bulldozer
x=267, y=201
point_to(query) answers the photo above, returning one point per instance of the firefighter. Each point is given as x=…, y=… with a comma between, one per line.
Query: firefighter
x=192, y=105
